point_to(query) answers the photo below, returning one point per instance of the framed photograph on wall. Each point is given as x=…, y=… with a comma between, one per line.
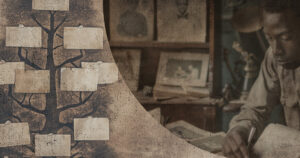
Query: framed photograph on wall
x=129, y=61
x=131, y=20
x=183, y=69
x=182, y=20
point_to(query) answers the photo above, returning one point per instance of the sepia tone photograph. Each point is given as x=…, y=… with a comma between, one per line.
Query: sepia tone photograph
x=149, y=78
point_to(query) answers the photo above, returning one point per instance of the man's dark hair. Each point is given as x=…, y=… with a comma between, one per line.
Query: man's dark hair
x=281, y=5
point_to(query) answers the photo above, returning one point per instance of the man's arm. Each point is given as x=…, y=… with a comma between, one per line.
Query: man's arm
x=264, y=95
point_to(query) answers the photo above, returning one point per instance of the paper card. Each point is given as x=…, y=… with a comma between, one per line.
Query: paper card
x=58, y=5
x=108, y=72
x=91, y=129
x=52, y=145
x=13, y=134
x=77, y=79
x=83, y=38
x=7, y=71
x=32, y=81
x=23, y=37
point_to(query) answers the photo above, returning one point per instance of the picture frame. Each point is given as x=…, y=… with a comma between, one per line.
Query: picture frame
x=131, y=20
x=183, y=69
x=183, y=21
x=129, y=62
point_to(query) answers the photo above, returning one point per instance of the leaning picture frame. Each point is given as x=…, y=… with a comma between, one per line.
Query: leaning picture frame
x=183, y=69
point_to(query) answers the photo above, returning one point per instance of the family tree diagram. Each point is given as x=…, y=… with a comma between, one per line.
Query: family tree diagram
x=50, y=72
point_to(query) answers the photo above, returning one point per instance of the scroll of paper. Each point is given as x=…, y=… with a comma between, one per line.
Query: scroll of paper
x=32, y=81
x=23, y=37
x=58, y=5
x=77, y=79
x=91, y=129
x=7, y=71
x=277, y=141
x=52, y=145
x=108, y=72
x=83, y=38
x=14, y=134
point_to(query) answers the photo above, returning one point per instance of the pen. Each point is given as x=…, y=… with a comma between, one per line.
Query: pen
x=250, y=137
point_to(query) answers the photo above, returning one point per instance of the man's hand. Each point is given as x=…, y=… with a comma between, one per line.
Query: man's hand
x=235, y=143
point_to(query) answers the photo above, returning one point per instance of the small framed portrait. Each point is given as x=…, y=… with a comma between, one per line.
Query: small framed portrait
x=183, y=69
x=129, y=61
x=181, y=20
x=131, y=20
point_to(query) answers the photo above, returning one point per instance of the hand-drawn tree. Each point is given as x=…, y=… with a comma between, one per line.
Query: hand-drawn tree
x=52, y=57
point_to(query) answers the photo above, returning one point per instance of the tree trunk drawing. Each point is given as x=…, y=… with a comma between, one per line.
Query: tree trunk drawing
x=51, y=113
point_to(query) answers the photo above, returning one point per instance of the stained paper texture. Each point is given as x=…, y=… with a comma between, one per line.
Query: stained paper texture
x=107, y=72
x=182, y=21
x=32, y=81
x=14, y=134
x=91, y=129
x=7, y=71
x=52, y=145
x=23, y=37
x=58, y=5
x=78, y=79
x=83, y=38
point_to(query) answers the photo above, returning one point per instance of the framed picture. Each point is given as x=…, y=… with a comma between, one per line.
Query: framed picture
x=182, y=20
x=131, y=20
x=129, y=61
x=183, y=69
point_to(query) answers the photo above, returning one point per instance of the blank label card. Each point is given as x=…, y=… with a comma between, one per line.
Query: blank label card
x=108, y=72
x=91, y=129
x=52, y=145
x=23, y=37
x=77, y=79
x=32, y=81
x=7, y=71
x=83, y=38
x=14, y=134
x=58, y=5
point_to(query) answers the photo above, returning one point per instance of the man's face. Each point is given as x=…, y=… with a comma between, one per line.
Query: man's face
x=182, y=5
x=283, y=33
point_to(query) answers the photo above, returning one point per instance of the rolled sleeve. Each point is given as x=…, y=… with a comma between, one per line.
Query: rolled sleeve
x=264, y=95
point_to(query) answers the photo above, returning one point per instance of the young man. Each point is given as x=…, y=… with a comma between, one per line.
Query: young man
x=279, y=78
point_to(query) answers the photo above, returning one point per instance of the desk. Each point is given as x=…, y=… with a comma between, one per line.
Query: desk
x=201, y=112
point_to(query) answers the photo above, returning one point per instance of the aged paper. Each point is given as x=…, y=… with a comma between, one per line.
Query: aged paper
x=83, y=38
x=58, y=5
x=183, y=21
x=52, y=145
x=78, y=79
x=278, y=141
x=108, y=72
x=14, y=134
x=7, y=71
x=212, y=143
x=129, y=61
x=131, y=20
x=91, y=129
x=23, y=37
x=186, y=130
x=32, y=81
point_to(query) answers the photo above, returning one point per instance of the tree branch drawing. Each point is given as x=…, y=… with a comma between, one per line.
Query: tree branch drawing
x=51, y=112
